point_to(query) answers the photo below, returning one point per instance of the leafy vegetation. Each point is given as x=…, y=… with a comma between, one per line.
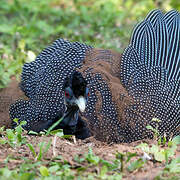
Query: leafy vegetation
x=13, y=137
x=29, y=26
x=88, y=166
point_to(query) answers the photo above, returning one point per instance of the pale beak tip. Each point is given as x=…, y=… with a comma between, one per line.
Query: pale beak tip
x=81, y=102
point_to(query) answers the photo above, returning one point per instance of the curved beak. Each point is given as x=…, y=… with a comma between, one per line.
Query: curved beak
x=81, y=103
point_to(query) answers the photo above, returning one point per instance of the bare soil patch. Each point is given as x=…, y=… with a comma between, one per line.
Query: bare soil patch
x=7, y=96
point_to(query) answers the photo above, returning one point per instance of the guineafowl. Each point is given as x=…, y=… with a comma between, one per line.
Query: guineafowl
x=55, y=90
x=120, y=94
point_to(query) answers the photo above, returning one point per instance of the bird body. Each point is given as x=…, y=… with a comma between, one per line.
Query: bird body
x=43, y=82
x=126, y=92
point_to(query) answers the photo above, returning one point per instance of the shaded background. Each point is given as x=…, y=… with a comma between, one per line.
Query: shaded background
x=28, y=26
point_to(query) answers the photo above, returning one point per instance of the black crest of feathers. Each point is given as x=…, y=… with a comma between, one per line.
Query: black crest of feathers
x=77, y=83
x=126, y=92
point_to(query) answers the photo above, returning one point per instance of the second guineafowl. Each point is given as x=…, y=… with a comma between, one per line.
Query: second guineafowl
x=117, y=96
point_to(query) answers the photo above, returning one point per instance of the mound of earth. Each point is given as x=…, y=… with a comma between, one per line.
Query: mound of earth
x=7, y=96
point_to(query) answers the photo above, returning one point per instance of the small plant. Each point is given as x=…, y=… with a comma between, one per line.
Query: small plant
x=159, y=154
x=13, y=137
x=136, y=165
x=124, y=160
x=164, y=155
x=161, y=140
x=43, y=149
x=118, y=166
x=91, y=158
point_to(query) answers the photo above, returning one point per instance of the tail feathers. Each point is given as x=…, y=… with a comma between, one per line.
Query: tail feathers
x=134, y=71
x=144, y=41
x=130, y=66
x=172, y=19
x=156, y=40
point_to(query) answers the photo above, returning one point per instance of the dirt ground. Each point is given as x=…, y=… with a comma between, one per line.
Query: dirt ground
x=68, y=149
x=7, y=96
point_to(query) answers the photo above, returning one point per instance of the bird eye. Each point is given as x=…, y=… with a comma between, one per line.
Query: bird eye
x=67, y=94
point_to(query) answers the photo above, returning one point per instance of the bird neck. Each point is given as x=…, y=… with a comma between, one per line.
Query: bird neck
x=70, y=116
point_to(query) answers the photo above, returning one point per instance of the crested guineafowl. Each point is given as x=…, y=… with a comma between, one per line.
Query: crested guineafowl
x=101, y=93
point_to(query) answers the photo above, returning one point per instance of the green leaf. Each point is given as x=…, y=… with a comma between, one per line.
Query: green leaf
x=171, y=151
x=2, y=141
x=154, y=149
x=22, y=123
x=10, y=134
x=2, y=129
x=144, y=147
x=111, y=166
x=58, y=132
x=47, y=147
x=53, y=168
x=174, y=166
x=160, y=156
x=53, y=126
x=32, y=149
x=130, y=156
x=156, y=120
x=91, y=158
x=66, y=136
x=152, y=129
x=176, y=140
x=41, y=145
x=33, y=133
x=103, y=171
x=16, y=120
x=135, y=165
x=44, y=171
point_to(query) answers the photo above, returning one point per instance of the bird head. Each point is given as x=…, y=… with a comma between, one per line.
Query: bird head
x=76, y=92
x=75, y=98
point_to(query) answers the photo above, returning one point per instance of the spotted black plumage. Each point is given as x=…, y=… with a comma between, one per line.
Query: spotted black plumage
x=43, y=83
x=125, y=92
x=151, y=73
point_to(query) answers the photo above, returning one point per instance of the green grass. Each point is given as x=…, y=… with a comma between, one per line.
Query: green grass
x=29, y=26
